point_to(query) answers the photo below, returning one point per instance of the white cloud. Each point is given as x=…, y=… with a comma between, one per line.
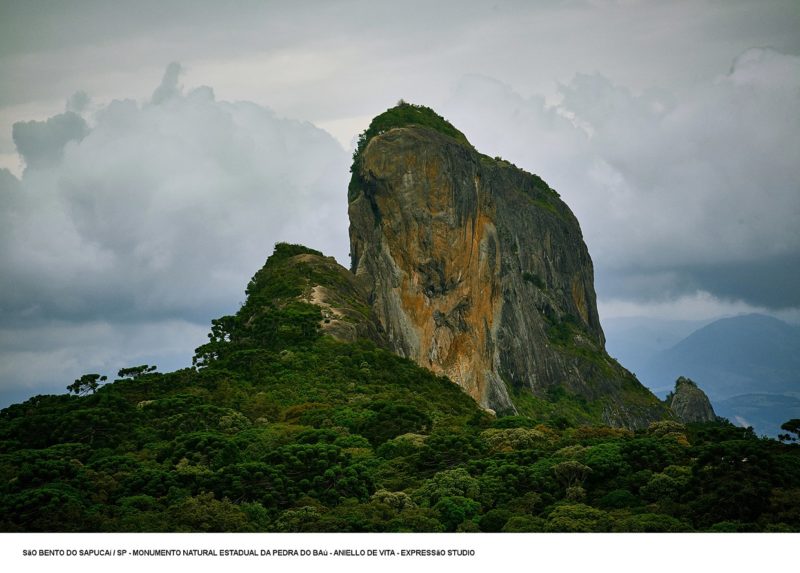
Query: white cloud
x=663, y=183
x=713, y=175
x=151, y=217
x=166, y=207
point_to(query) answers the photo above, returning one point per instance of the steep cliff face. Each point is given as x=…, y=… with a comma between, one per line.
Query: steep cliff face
x=477, y=270
x=689, y=403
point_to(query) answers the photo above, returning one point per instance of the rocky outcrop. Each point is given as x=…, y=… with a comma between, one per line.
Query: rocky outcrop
x=278, y=311
x=346, y=315
x=477, y=270
x=689, y=403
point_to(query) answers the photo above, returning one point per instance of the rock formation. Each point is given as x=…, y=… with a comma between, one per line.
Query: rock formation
x=477, y=270
x=346, y=315
x=689, y=403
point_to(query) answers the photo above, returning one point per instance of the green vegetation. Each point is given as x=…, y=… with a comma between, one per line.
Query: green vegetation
x=559, y=409
x=534, y=279
x=406, y=114
x=86, y=384
x=569, y=334
x=279, y=428
x=136, y=371
x=546, y=204
x=792, y=427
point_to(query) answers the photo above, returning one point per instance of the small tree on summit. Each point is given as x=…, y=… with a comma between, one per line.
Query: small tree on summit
x=793, y=427
x=86, y=383
x=135, y=372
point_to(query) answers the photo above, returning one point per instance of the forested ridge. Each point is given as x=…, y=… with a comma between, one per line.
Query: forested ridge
x=278, y=427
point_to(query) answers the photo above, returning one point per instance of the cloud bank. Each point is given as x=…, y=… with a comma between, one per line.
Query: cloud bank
x=138, y=216
x=676, y=193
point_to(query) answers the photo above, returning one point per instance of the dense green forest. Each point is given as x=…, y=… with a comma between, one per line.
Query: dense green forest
x=280, y=428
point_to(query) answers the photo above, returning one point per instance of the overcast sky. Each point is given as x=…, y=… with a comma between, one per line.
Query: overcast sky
x=151, y=153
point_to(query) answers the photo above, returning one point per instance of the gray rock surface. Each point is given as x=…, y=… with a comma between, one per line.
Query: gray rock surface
x=689, y=403
x=477, y=270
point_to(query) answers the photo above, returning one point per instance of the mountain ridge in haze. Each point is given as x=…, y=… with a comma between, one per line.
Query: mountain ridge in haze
x=749, y=365
x=751, y=353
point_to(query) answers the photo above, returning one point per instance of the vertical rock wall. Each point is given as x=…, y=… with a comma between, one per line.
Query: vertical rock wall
x=477, y=270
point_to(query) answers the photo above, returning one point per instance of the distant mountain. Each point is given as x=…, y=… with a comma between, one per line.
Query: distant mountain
x=634, y=341
x=764, y=412
x=741, y=355
x=748, y=365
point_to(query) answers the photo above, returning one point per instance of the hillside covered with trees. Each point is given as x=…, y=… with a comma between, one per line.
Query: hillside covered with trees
x=280, y=427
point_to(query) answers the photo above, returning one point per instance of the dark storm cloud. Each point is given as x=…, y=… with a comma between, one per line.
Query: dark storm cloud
x=771, y=283
x=41, y=143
